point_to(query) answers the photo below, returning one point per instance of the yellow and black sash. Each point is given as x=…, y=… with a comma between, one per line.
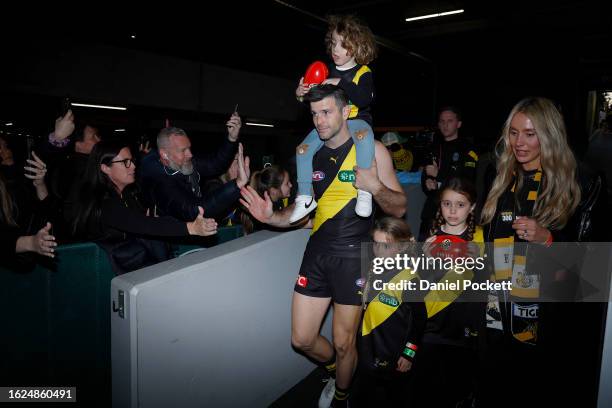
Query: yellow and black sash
x=336, y=227
x=510, y=261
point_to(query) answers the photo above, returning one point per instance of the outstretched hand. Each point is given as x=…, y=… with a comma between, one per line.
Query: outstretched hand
x=64, y=126
x=260, y=208
x=36, y=171
x=244, y=172
x=233, y=127
x=43, y=242
x=202, y=226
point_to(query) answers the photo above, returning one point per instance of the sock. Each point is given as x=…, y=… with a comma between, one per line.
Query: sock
x=341, y=394
x=330, y=366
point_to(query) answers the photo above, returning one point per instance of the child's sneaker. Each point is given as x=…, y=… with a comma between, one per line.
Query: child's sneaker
x=304, y=204
x=327, y=395
x=363, y=208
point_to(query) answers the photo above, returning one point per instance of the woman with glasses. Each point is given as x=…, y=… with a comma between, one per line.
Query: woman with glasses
x=109, y=211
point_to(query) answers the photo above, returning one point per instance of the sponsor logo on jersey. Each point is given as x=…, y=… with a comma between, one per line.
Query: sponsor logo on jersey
x=360, y=282
x=346, y=176
x=302, y=281
x=388, y=300
x=506, y=216
x=380, y=363
x=526, y=312
x=318, y=176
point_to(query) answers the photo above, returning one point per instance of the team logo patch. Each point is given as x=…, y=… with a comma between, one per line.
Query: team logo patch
x=302, y=281
x=524, y=280
x=360, y=134
x=346, y=176
x=456, y=156
x=360, y=282
x=318, y=176
x=446, y=244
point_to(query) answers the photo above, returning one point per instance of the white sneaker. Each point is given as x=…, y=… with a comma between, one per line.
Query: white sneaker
x=363, y=208
x=327, y=395
x=304, y=204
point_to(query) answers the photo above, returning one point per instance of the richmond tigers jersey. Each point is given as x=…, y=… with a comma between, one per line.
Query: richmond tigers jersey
x=358, y=84
x=337, y=230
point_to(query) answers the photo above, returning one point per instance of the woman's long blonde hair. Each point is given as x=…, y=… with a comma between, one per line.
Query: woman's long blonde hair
x=559, y=193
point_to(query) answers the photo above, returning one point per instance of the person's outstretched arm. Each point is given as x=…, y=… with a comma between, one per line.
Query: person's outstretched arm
x=261, y=209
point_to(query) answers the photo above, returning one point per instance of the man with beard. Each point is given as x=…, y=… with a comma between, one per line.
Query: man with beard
x=171, y=175
x=331, y=266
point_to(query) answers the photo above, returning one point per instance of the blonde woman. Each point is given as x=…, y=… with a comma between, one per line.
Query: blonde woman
x=536, y=199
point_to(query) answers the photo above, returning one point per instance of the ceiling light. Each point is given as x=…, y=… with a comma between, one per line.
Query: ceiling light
x=446, y=13
x=85, y=105
x=119, y=130
x=258, y=124
x=8, y=124
x=133, y=36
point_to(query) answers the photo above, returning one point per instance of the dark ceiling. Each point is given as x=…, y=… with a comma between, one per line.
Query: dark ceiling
x=483, y=60
x=282, y=37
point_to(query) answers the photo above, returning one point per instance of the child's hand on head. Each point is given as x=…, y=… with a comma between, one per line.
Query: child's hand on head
x=332, y=81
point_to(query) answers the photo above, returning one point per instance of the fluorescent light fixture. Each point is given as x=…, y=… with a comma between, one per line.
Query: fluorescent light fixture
x=446, y=13
x=85, y=105
x=119, y=130
x=8, y=124
x=258, y=124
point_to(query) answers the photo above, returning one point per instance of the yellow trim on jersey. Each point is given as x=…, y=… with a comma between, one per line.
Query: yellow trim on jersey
x=378, y=312
x=437, y=300
x=532, y=196
x=473, y=155
x=363, y=70
x=337, y=195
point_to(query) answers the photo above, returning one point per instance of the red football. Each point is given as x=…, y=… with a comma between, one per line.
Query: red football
x=449, y=246
x=316, y=73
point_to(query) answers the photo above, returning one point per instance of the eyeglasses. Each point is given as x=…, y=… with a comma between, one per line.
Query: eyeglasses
x=126, y=162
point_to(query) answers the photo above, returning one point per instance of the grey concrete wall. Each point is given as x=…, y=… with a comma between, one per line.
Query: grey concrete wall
x=211, y=328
